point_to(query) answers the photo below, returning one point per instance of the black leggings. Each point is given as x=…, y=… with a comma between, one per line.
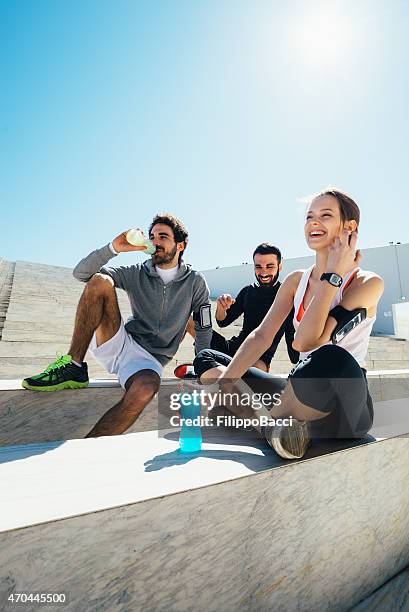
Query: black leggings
x=329, y=380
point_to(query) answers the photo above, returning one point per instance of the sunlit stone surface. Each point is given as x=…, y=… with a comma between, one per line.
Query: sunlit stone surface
x=127, y=523
x=226, y=530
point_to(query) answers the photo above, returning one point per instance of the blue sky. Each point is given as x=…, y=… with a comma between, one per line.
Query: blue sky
x=224, y=112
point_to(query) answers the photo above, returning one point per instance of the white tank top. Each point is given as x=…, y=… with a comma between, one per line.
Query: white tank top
x=357, y=341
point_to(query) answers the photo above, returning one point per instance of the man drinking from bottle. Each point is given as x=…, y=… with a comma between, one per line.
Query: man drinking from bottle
x=163, y=292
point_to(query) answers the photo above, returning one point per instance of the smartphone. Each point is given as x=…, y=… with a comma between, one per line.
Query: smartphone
x=357, y=316
x=205, y=316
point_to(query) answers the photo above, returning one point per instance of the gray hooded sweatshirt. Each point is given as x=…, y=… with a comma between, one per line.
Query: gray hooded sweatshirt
x=159, y=312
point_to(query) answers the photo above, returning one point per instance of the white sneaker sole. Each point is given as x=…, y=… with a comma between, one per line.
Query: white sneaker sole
x=290, y=442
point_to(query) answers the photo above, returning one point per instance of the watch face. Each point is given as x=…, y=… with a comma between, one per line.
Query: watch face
x=335, y=280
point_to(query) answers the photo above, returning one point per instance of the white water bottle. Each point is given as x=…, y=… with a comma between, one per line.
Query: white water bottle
x=136, y=238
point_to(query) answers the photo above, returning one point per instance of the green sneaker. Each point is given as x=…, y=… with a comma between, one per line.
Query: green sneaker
x=61, y=374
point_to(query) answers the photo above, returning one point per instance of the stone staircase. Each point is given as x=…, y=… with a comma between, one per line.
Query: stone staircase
x=385, y=352
x=6, y=282
x=40, y=319
x=37, y=311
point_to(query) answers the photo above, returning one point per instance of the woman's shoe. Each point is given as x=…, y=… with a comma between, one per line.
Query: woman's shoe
x=289, y=441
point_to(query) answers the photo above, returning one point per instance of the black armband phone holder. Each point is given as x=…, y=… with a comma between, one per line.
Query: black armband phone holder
x=347, y=320
x=203, y=316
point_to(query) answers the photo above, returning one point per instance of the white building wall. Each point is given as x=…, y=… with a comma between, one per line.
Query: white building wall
x=391, y=262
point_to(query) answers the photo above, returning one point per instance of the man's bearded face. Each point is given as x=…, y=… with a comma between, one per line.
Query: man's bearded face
x=266, y=269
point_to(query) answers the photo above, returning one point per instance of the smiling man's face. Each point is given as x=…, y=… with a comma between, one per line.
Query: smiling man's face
x=266, y=269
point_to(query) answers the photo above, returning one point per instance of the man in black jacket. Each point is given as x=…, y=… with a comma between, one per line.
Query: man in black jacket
x=253, y=302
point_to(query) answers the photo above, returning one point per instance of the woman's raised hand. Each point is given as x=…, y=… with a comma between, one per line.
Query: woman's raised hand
x=343, y=256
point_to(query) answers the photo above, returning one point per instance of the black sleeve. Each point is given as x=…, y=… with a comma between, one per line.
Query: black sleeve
x=286, y=328
x=235, y=310
x=289, y=338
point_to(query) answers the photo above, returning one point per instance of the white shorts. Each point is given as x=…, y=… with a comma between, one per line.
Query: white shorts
x=123, y=356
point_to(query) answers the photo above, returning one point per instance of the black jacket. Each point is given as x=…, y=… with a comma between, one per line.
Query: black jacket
x=254, y=302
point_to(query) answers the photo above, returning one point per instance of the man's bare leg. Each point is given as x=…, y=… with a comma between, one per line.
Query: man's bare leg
x=190, y=328
x=97, y=311
x=140, y=389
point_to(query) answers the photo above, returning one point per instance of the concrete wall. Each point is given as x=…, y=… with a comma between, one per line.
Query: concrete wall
x=210, y=535
x=401, y=319
x=27, y=417
x=390, y=262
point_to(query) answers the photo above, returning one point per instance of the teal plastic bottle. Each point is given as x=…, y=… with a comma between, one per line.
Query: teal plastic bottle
x=190, y=438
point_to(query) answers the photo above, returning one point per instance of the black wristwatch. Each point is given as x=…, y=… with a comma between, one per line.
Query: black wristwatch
x=333, y=278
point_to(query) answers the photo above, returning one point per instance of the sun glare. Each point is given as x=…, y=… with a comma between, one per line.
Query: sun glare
x=323, y=38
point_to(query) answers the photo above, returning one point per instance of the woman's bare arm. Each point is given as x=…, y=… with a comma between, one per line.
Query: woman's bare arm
x=317, y=326
x=261, y=338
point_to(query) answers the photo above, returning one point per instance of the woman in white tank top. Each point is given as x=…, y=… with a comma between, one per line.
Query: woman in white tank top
x=356, y=342
x=328, y=394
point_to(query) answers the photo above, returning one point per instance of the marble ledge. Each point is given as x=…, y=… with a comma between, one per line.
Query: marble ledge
x=318, y=534
x=60, y=479
x=15, y=384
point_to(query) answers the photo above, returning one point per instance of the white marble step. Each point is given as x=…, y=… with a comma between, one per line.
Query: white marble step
x=15, y=384
x=129, y=524
x=29, y=416
x=107, y=472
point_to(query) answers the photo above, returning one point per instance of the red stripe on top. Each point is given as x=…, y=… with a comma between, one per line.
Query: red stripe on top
x=348, y=282
x=301, y=311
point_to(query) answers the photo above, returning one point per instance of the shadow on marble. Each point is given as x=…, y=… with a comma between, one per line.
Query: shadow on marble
x=392, y=596
x=267, y=460
x=17, y=453
x=255, y=463
x=250, y=438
